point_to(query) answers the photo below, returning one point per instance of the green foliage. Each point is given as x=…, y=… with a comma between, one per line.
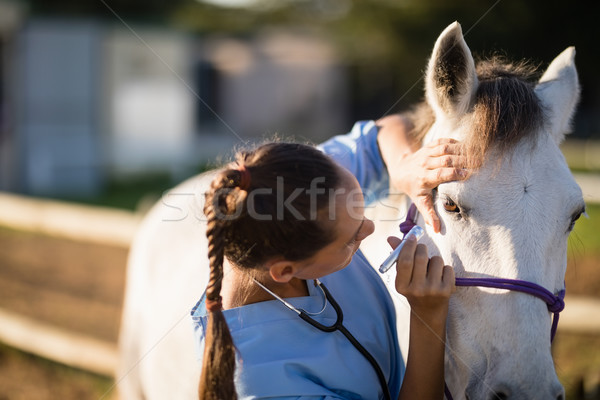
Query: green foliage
x=136, y=192
x=585, y=238
x=129, y=193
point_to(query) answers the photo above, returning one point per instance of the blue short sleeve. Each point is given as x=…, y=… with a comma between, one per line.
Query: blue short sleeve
x=359, y=153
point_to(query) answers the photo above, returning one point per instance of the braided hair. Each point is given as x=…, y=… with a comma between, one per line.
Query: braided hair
x=248, y=223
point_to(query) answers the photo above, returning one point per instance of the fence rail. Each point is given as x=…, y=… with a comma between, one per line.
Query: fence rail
x=73, y=221
x=47, y=341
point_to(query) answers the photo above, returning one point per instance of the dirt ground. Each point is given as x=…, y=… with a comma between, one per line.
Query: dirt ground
x=79, y=286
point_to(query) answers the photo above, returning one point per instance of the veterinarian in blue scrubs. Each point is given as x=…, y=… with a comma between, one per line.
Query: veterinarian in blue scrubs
x=307, y=314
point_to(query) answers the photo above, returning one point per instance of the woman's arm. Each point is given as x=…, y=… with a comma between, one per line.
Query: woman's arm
x=424, y=377
x=358, y=152
x=427, y=285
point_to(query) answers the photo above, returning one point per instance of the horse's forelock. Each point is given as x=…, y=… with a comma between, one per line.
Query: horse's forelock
x=506, y=109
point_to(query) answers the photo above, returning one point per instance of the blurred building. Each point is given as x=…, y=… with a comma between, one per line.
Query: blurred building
x=82, y=101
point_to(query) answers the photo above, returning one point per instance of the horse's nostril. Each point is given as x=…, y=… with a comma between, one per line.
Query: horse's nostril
x=504, y=393
x=559, y=392
x=501, y=393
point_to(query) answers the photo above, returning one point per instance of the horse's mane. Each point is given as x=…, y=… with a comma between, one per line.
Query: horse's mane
x=505, y=110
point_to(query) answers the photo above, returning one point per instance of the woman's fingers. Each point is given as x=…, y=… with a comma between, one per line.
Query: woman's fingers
x=445, y=157
x=405, y=265
x=445, y=145
x=432, y=178
x=419, y=277
x=394, y=241
x=446, y=161
x=435, y=269
x=419, y=274
x=448, y=278
x=424, y=204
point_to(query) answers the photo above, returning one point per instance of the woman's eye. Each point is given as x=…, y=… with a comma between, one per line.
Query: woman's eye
x=450, y=206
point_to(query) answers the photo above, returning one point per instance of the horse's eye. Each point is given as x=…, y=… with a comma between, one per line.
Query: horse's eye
x=450, y=206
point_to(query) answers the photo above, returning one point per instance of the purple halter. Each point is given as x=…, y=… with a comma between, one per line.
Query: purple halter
x=555, y=302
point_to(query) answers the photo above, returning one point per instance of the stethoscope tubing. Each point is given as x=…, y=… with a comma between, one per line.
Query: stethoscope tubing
x=339, y=326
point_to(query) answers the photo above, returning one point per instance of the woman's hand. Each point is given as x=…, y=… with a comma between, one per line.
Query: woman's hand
x=425, y=282
x=417, y=171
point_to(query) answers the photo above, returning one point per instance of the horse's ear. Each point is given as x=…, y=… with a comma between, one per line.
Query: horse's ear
x=558, y=89
x=451, y=80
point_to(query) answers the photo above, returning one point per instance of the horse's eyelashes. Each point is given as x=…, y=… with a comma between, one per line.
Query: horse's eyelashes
x=574, y=219
x=572, y=225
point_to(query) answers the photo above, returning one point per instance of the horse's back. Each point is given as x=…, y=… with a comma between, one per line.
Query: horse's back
x=167, y=272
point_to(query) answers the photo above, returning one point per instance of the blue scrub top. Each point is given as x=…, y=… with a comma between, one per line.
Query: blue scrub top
x=282, y=356
x=359, y=153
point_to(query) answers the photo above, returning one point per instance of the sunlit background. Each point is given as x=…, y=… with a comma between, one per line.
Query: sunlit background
x=108, y=103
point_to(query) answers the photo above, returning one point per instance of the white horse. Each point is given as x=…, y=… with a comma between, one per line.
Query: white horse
x=510, y=219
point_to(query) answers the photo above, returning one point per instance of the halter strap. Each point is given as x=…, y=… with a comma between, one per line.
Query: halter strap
x=555, y=302
x=410, y=221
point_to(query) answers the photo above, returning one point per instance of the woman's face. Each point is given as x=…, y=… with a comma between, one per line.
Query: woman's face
x=350, y=227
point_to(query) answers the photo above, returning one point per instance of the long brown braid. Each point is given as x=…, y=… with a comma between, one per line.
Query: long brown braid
x=218, y=363
x=247, y=242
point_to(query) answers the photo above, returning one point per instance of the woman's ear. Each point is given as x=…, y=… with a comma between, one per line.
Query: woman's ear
x=282, y=271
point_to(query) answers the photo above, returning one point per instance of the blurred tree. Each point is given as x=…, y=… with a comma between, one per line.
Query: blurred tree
x=154, y=10
x=385, y=43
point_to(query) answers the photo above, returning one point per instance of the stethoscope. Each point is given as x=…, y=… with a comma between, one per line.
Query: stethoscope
x=337, y=326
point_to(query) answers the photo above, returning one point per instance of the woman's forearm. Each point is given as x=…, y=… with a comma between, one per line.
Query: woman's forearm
x=393, y=139
x=424, y=377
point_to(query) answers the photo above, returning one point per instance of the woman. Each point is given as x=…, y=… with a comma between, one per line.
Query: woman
x=284, y=226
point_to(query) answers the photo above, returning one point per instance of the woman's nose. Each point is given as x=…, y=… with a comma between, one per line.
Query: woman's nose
x=368, y=228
